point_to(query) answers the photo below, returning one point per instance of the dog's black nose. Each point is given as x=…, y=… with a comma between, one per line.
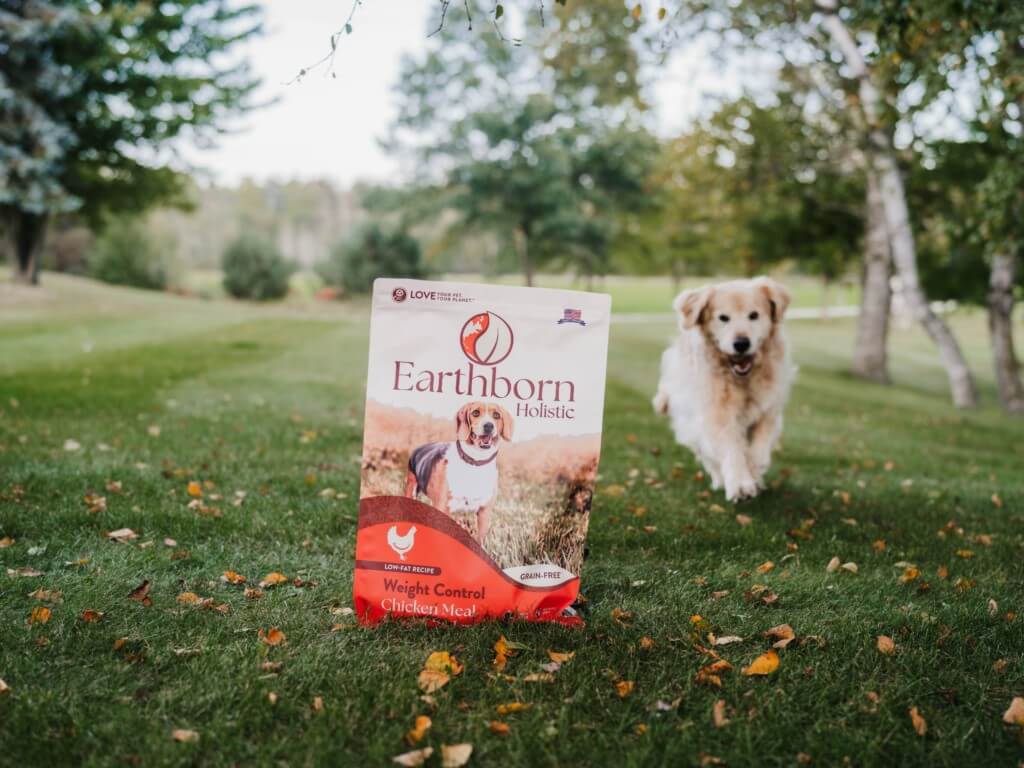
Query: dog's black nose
x=488, y=428
x=741, y=344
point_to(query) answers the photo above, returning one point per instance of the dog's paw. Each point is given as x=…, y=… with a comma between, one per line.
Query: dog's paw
x=747, y=489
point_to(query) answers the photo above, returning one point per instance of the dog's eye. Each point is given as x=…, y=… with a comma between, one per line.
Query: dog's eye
x=496, y=415
x=475, y=414
x=753, y=315
x=724, y=318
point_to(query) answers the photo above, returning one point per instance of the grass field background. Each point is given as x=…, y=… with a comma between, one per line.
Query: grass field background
x=158, y=391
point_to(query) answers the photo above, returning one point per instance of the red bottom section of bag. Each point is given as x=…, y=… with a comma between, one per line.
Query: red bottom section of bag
x=412, y=560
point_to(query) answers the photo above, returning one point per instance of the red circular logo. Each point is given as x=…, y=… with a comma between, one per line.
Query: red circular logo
x=399, y=295
x=486, y=338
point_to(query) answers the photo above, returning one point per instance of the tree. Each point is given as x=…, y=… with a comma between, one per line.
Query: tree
x=92, y=90
x=255, y=269
x=128, y=254
x=373, y=252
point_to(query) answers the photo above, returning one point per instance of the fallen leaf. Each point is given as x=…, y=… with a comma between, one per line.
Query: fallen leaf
x=993, y=607
x=170, y=543
x=6, y=542
x=189, y=598
x=184, y=736
x=4, y=687
x=121, y=535
x=414, y=758
x=622, y=617
x=744, y=520
x=765, y=566
x=95, y=503
x=539, y=677
x=718, y=714
x=646, y=643
x=153, y=430
x=783, y=635
x=502, y=651
x=833, y=565
x=141, y=594
x=878, y=545
x=39, y=615
x=1014, y=715
x=273, y=579
x=455, y=755
x=728, y=640
x=253, y=594
x=624, y=688
x=966, y=554
x=886, y=645
x=318, y=704
x=562, y=658
x=419, y=730
x=231, y=577
x=71, y=445
x=91, y=616
x=47, y=595
x=764, y=664
x=909, y=574
x=512, y=707
x=499, y=728
x=272, y=636
x=195, y=490
x=850, y=567
x=942, y=572
x=272, y=698
x=438, y=669
x=920, y=726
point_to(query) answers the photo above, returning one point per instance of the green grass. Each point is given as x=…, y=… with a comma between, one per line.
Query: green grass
x=239, y=391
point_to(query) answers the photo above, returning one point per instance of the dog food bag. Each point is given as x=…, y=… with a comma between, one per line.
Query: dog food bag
x=480, y=450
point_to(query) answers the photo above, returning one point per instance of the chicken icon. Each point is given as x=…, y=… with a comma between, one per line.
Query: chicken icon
x=401, y=544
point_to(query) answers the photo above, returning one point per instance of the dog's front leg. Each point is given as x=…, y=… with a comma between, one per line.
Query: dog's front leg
x=763, y=436
x=483, y=523
x=730, y=445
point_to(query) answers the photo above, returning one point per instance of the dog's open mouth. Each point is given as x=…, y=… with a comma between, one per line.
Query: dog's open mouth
x=741, y=364
x=485, y=441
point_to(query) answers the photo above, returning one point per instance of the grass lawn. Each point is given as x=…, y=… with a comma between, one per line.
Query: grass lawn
x=158, y=391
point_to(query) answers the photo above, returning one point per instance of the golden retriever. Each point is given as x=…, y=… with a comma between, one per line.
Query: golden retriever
x=725, y=380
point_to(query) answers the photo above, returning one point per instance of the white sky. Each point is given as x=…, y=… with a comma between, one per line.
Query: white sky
x=328, y=128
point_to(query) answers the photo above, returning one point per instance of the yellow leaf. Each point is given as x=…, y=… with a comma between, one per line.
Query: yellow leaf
x=273, y=579
x=661, y=14
x=718, y=714
x=833, y=565
x=624, y=688
x=272, y=636
x=232, y=578
x=253, y=594
x=910, y=574
x=966, y=554
x=415, y=758
x=920, y=726
x=47, y=595
x=646, y=643
x=499, y=728
x=1014, y=715
x=195, y=490
x=561, y=658
x=783, y=635
x=6, y=542
x=430, y=680
x=442, y=661
x=886, y=645
x=764, y=664
x=419, y=730
x=184, y=736
x=512, y=707
x=39, y=615
x=455, y=755
x=539, y=677
x=765, y=566
x=191, y=598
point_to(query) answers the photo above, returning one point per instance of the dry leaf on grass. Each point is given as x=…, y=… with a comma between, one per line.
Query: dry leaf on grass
x=47, y=595
x=718, y=714
x=920, y=726
x=4, y=687
x=744, y=520
x=419, y=730
x=141, y=594
x=499, y=728
x=190, y=598
x=253, y=594
x=39, y=615
x=561, y=658
x=783, y=635
x=438, y=669
x=833, y=565
x=624, y=688
x=231, y=577
x=909, y=574
x=502, y=651
x=455, y=755
x=850, y=567
x=539, y=677
x=646, y=643
x=1014, y=715
x=886, y=645
x=765, y=566
x=272, y=636
x=764, y=664
x=728, y=640
x=318, y=704
x=512, y=707
x=414, y=758
x=184, y=736
x=195, y=490
x=273, y=579
x=91, y=616
x=6, y=542
x=121, y=535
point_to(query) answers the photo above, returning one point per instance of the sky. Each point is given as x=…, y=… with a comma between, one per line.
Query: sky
x=324, y=127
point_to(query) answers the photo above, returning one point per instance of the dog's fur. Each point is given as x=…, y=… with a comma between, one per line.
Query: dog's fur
x=442, y=473
x=725, y=380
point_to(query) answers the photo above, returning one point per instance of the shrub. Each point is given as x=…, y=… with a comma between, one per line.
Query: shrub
x=255, y=269
x=126, y=254
x=373, y=252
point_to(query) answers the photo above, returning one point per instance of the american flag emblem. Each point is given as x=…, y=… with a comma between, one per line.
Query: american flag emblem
x=572, y=316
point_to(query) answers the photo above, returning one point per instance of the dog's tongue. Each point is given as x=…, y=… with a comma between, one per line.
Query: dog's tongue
x=742, y=366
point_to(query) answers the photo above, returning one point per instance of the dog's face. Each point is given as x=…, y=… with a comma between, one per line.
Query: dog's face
x=736, y=317
x=483, y=424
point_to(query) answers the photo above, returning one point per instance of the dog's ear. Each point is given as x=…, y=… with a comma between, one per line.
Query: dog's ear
x=691, y=304
x=507, y=424
x=462, y=422
x=777, y=295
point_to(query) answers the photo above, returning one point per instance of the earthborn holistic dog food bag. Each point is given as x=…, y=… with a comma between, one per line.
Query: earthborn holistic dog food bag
x=480, y=450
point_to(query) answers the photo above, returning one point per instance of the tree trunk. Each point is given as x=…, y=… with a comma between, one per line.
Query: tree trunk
x=1000, y=324
x=882, y=158
x=870, y=354
x=27, y=232
x=522, y=243
x=826, y=286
